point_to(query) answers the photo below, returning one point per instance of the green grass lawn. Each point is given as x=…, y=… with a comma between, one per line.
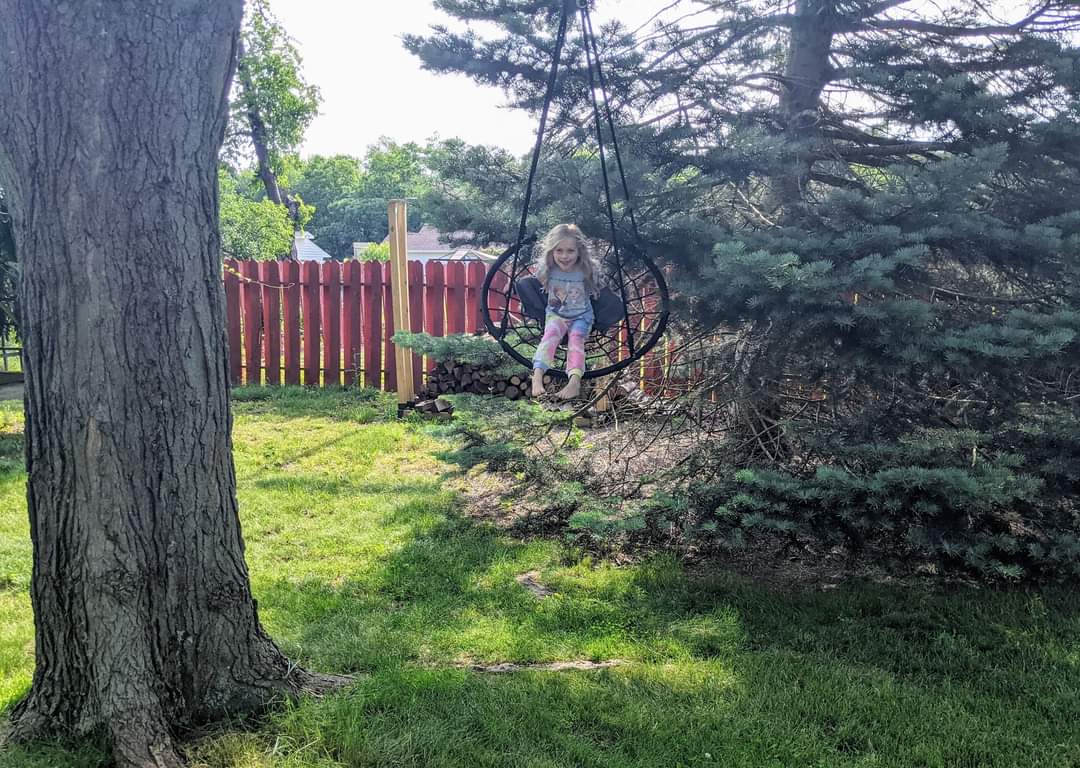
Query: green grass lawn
x=361, y=565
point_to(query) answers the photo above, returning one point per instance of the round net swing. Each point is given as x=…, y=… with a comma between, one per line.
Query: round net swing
x=631, y=309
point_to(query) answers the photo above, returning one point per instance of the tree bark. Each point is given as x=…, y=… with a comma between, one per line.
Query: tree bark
x=805, y=76
x=765, y=349
x=261, y=143
x=115, y=112
x=258, y=132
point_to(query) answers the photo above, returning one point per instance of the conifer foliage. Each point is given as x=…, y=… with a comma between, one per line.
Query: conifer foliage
x=880, y=196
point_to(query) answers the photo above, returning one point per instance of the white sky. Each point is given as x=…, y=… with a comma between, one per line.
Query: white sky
x=371, y=86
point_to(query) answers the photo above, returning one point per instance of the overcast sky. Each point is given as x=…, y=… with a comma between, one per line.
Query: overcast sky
x=371, y=86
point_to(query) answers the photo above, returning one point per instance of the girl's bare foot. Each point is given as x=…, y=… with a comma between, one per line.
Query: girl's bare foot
x=538, y=383
x=572, y=388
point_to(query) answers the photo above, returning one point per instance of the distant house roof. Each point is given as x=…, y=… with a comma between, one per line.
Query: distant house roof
x=470, y=254
x=427, y=239
x=305, y=249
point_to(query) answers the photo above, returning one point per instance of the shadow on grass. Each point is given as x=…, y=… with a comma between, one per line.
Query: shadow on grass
x=720, y=672
x=904, y=676
x=12, y=451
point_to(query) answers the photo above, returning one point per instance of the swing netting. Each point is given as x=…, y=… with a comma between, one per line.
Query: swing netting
x=636, y=300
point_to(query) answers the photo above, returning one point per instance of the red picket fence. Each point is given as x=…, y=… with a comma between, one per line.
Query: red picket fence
x=330, y=323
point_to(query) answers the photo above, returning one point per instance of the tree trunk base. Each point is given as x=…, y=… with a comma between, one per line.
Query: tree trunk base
x=143, y=738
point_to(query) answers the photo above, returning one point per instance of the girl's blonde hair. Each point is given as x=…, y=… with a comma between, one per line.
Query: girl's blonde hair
x=588, y=263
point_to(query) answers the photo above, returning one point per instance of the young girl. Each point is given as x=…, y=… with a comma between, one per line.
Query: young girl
x=569, y=273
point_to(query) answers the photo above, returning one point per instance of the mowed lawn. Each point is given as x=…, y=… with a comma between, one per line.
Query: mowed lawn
x=362, y=565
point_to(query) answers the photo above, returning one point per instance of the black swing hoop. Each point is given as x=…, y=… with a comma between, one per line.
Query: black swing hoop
x=623, y=340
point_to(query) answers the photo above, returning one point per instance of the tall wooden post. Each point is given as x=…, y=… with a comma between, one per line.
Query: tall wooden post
x=399, y=284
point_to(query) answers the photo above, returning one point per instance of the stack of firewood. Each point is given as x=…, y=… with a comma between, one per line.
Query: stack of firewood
x=514, y=387
x=453, y=378
x=433, y=406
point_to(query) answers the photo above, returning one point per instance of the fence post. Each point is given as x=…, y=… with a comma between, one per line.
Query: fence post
x=399, y=284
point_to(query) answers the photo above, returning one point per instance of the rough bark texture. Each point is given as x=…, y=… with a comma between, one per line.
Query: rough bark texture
x=114, y=114
x=762, y=355
x=805, y=77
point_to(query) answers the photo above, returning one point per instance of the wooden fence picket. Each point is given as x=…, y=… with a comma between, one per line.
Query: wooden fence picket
x=497, y=297
x=350, y=321
x=474, y=281
x=310, y=289
x=416, y=315
x=331, y=323
x=232, y=322
x=290, y=275
x=371, y=328
x=455, y=297
x=389, y=364
x=268, y=274
x=252, y=321
x=434, y=301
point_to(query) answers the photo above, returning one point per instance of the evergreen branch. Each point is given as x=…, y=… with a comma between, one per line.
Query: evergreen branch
x=737, y=33
x=883, y=150
x=876, y=8
x=945, y=30
x=992, y=300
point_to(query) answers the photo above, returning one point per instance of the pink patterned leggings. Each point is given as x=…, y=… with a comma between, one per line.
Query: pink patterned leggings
x=555, y=327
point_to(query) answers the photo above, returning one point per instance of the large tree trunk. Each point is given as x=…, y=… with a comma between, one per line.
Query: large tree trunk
x=766, y=350
x=806, y=74
x=115, y=111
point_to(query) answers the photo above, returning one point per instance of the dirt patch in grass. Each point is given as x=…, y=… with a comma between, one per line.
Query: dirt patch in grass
x=514, y=505
x=498, y=499
x=531, y=581
x=553, y=666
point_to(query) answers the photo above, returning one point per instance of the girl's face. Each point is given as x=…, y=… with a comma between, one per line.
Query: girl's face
x=565, y=254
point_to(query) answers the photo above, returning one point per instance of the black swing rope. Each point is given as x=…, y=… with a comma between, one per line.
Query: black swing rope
x=586, y=35
x=549, y=94
x=634, y=349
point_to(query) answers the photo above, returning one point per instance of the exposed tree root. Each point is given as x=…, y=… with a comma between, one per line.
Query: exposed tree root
x=143, y=737
x=553, y=666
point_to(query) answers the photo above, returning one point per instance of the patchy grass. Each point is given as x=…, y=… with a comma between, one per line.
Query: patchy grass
x=361, y=564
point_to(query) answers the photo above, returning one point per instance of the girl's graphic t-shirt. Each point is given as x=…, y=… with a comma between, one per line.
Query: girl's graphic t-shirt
x=567, y=296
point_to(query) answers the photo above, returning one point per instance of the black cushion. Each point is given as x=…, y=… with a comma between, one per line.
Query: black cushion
x=608, y=309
